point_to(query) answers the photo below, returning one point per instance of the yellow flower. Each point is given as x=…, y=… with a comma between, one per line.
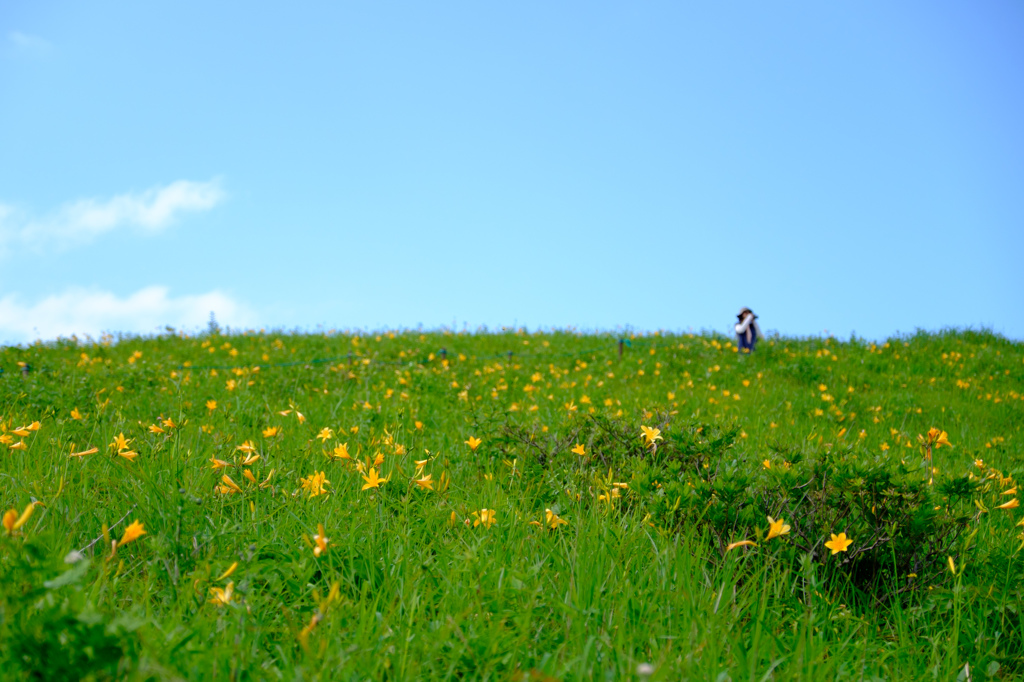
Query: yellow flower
x=225, y=574
x=230, y=484
x=838, y=543
x=13, y=522
x=373, y=480
x=222, y=597
x=133, y=532
x=129, y=455
x=580, y=450
x=153, y=428
x=321, y=540
x=75, y=414
x=315, y=483
x=250, y=459
x=1012, y=504
x=20, y=445
x=218, y=463
x=271, y=431
x=325, y=433
x=247, y=447
x=650, y=435
x=425, y=483
x=211, y=405
x=767, y=464
x=120, y=442
x=485, y=517
x=249, y=475
x=553, y=520
x=83, y=453
x=952, y=566
x=741, y=543
x=473, y=443
x=266, y=481
x=777, y=528
x=939, y=438
x=341, y=452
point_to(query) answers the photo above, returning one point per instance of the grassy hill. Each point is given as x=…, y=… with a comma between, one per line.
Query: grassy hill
x=511, y=506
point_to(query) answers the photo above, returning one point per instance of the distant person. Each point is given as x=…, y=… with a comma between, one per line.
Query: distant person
x=747, y=331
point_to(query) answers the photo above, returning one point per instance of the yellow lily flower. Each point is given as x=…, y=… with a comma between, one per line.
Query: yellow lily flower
x=838, y=543
x=373, y=480
x=777, y=528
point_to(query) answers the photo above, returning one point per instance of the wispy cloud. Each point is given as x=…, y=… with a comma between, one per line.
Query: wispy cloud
x=82, y=221
x=28, y=42
x=83, y=311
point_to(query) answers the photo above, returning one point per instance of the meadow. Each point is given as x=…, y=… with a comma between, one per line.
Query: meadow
x=511, y=506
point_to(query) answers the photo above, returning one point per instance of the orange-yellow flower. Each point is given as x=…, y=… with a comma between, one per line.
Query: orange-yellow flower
x=315, y=483
x=741, y=543
x=222, y=596
x=225, y=574
x=553, y=520
x=425, y=483
x=485, y=517
x=373, y=480
x=580, y=450
x=271, y=431
x=341, y=452
x=211, y=405
x=473, y=443
x=83, y=453
x=838, y=543
x=120, y=442
x=1012, y=504
x=75, y=414
x=325, y=434
x=13, y=522
x=133, y=532
x=650, y=435
x=230, y=484
x=321, y=540
x=777, y=528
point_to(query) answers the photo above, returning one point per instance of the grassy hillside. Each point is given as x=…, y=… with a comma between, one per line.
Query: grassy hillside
x=487, y=506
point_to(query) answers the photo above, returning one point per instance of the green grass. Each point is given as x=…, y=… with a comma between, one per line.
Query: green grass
x=409, y=588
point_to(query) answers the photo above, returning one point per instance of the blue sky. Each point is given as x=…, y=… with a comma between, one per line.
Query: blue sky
x=850, y=167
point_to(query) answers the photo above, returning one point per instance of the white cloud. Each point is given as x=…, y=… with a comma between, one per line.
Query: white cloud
x=29, y=43
x=83, y=311
x=84, y=220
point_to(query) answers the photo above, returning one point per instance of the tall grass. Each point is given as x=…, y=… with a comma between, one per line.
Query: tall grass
x=409, y=588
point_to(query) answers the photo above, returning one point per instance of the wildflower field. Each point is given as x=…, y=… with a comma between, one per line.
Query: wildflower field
x=511, y=506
